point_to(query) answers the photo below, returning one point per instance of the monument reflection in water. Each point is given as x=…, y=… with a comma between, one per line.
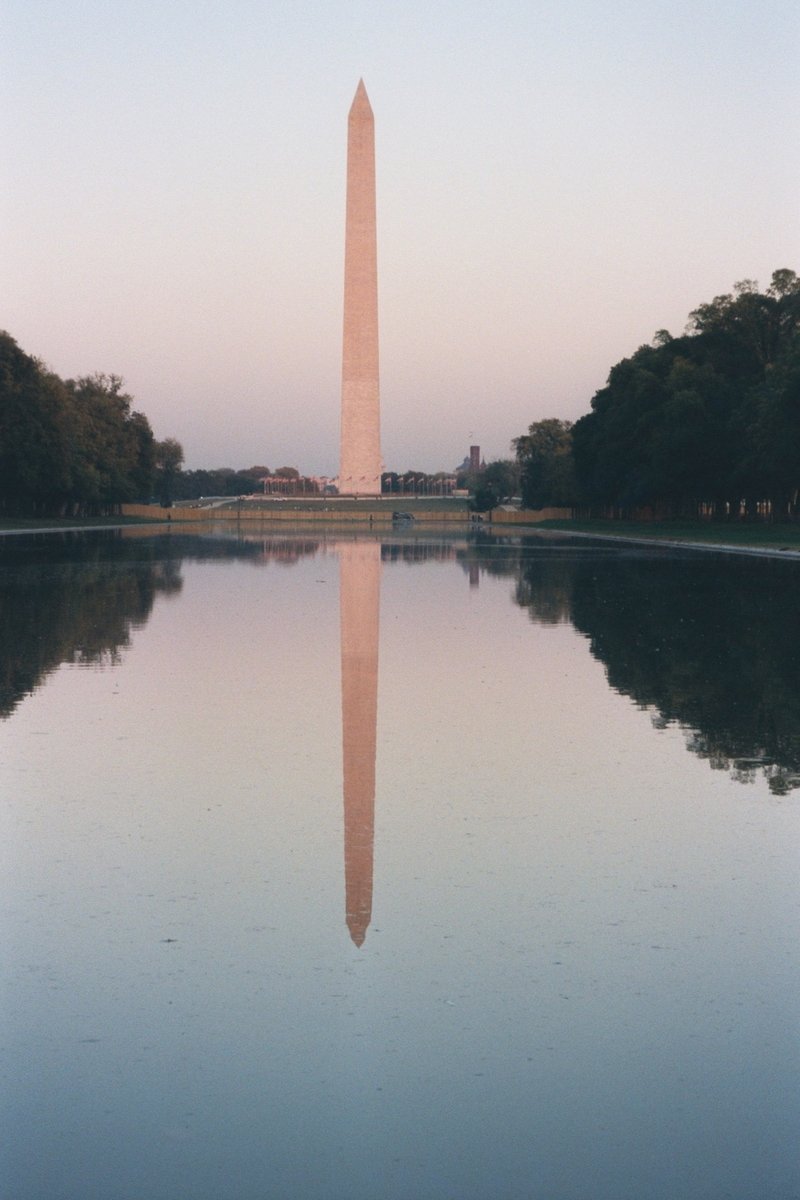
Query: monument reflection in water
x=575, y=974
x=359, y=600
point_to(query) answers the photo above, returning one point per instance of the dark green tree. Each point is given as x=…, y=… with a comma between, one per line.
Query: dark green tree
x=544, y=455
x=35, y=469
x=502, y=477
x=112, y=446
x=169, y=459
x=702, y=421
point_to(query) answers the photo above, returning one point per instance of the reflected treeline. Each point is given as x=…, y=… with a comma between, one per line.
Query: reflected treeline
x=414, y=552
x=710, y=643
x=285, y=552
x=75, y=598
x=70, y=600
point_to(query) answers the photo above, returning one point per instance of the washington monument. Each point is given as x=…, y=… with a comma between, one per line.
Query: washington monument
x=360, y=462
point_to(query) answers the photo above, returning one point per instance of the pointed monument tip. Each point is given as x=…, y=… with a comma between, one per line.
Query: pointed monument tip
x=361, y=99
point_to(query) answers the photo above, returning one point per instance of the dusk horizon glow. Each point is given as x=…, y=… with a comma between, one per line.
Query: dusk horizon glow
x=554, y=185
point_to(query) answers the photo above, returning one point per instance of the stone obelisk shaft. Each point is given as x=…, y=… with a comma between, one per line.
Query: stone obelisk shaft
x=360, y=463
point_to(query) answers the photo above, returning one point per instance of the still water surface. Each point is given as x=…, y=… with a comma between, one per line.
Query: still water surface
x=413, y=868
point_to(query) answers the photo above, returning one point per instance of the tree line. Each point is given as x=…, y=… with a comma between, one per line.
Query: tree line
x=703, y=424
x=73, y=446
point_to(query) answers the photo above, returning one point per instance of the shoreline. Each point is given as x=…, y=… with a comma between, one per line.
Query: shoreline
x=631, y=538
x=785, y=552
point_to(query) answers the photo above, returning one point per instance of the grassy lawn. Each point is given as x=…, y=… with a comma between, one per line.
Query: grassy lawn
x=10, y=524
x=394, y=503
x=734, y=534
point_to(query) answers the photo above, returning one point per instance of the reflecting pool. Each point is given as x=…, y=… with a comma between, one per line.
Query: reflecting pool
x=412, y=867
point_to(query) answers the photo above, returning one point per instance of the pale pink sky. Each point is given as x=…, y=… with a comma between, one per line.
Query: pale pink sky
x=555, y=183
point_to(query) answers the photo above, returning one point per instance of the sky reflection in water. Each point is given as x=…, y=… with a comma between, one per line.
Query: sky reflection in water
x=577, y=971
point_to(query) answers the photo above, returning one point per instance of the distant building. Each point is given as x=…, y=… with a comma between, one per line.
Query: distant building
x=472, y=464
x=301, y=485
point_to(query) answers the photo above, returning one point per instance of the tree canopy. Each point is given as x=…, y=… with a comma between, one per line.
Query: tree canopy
x=69, y=446
x=544, y=454
x=707, y=421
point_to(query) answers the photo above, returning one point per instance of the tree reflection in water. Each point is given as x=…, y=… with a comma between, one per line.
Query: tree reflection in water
x=710, y=643
x=707, y=642
x=76, y=597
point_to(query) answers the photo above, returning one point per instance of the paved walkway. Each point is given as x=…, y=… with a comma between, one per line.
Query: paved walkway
x=79, y=528
x=714, y=547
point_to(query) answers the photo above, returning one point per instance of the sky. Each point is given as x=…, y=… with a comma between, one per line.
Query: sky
x=556, y=179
